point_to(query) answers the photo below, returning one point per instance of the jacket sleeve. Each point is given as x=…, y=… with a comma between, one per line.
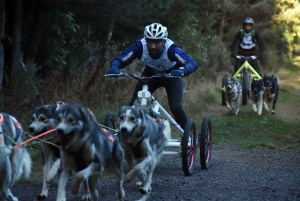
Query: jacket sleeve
x=182, y=59
x=234, y=42
x=260, y=44
x=131, y=53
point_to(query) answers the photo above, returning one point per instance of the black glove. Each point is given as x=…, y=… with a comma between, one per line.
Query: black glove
x=233, y=55
x=259, y=55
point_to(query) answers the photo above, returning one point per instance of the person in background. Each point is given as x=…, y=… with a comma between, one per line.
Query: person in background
x=247, y=38
x=160, y=55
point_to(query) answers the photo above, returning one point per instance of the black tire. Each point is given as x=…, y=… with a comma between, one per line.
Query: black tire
x=189, y=147
x=205, y=142
x=110, y=120
x=223, y=92
x=245, y=90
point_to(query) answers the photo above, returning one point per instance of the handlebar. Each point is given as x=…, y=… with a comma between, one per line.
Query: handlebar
x=253, y=57
x=142, y=78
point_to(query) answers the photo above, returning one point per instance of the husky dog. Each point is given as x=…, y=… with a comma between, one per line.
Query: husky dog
x=42, y=121
x=143, y=139
x=13, y=164
x=87, y=150
x=233, y=90
x=271, y=84
x=257, y=95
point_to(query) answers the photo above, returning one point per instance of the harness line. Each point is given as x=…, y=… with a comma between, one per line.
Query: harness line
x=18, y=146
x=44, y=141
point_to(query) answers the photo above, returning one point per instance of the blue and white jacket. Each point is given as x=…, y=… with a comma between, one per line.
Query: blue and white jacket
x=171, y=58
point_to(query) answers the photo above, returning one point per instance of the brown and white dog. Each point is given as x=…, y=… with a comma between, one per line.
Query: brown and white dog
x=271, y=84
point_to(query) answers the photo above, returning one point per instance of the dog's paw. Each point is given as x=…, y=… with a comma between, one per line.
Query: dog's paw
x=139, y=184
x=273, y=112
x=144, y=190
x=86, y=197
x=40, y=197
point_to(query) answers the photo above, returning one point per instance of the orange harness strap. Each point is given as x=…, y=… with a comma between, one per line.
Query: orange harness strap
x=108, y=135
x=18, y=125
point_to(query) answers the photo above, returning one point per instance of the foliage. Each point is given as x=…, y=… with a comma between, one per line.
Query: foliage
x=286, y=19
x=63, y=26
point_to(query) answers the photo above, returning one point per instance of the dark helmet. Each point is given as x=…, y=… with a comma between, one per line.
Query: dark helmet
x=248, y=20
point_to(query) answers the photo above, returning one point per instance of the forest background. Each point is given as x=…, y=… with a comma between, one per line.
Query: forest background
x=61, y=49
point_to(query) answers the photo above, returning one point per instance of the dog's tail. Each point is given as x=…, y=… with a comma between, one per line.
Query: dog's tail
x=167, y=130
x=26, y=164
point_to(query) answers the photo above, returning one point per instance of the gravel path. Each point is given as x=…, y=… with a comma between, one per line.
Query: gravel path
x=235, y=174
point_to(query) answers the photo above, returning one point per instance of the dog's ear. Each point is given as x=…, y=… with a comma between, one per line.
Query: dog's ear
x=38, y=101
x=121, y=110
x=53, y=106
x=86, y=113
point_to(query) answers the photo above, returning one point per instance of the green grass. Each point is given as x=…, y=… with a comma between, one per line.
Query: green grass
x=249, y=130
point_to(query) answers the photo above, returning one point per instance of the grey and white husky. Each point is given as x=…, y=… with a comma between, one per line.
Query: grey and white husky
x=42, y=121
x=13, y=163
x=233, y=91
x=143, y=139
x=87, y=150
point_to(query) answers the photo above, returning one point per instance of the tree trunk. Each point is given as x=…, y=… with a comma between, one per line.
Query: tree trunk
x=222, y=23
x=35, y=33
x=102, y=59
x=16, y=33
x=2, y=35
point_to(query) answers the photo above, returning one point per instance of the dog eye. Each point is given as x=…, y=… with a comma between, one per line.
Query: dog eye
x=43, y=118
x=58, y=119
x=71, y=120
x=132, y=118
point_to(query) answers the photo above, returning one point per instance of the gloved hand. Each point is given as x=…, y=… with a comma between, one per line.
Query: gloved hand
x=238, y=57
x=259, y=55
x=113, y=71
x=179, y=72
x=253, y=57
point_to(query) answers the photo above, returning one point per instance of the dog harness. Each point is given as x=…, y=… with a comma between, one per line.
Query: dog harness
x=18, y=128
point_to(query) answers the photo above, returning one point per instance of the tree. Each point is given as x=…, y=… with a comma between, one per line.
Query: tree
x=286, y=19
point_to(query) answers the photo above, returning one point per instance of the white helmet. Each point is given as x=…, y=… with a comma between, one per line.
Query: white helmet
x=155, y=31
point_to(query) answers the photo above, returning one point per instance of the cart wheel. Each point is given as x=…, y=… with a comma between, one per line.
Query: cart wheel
x=189, y=147
x=205, y=142
x=222, y=91
x=245, y=90
x=110, y=120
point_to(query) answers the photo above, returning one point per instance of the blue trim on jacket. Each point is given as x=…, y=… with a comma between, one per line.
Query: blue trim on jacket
x=135, y=50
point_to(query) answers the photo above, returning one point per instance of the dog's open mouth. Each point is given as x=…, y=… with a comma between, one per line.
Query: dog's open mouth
x=125, y=137
x=65, y=138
